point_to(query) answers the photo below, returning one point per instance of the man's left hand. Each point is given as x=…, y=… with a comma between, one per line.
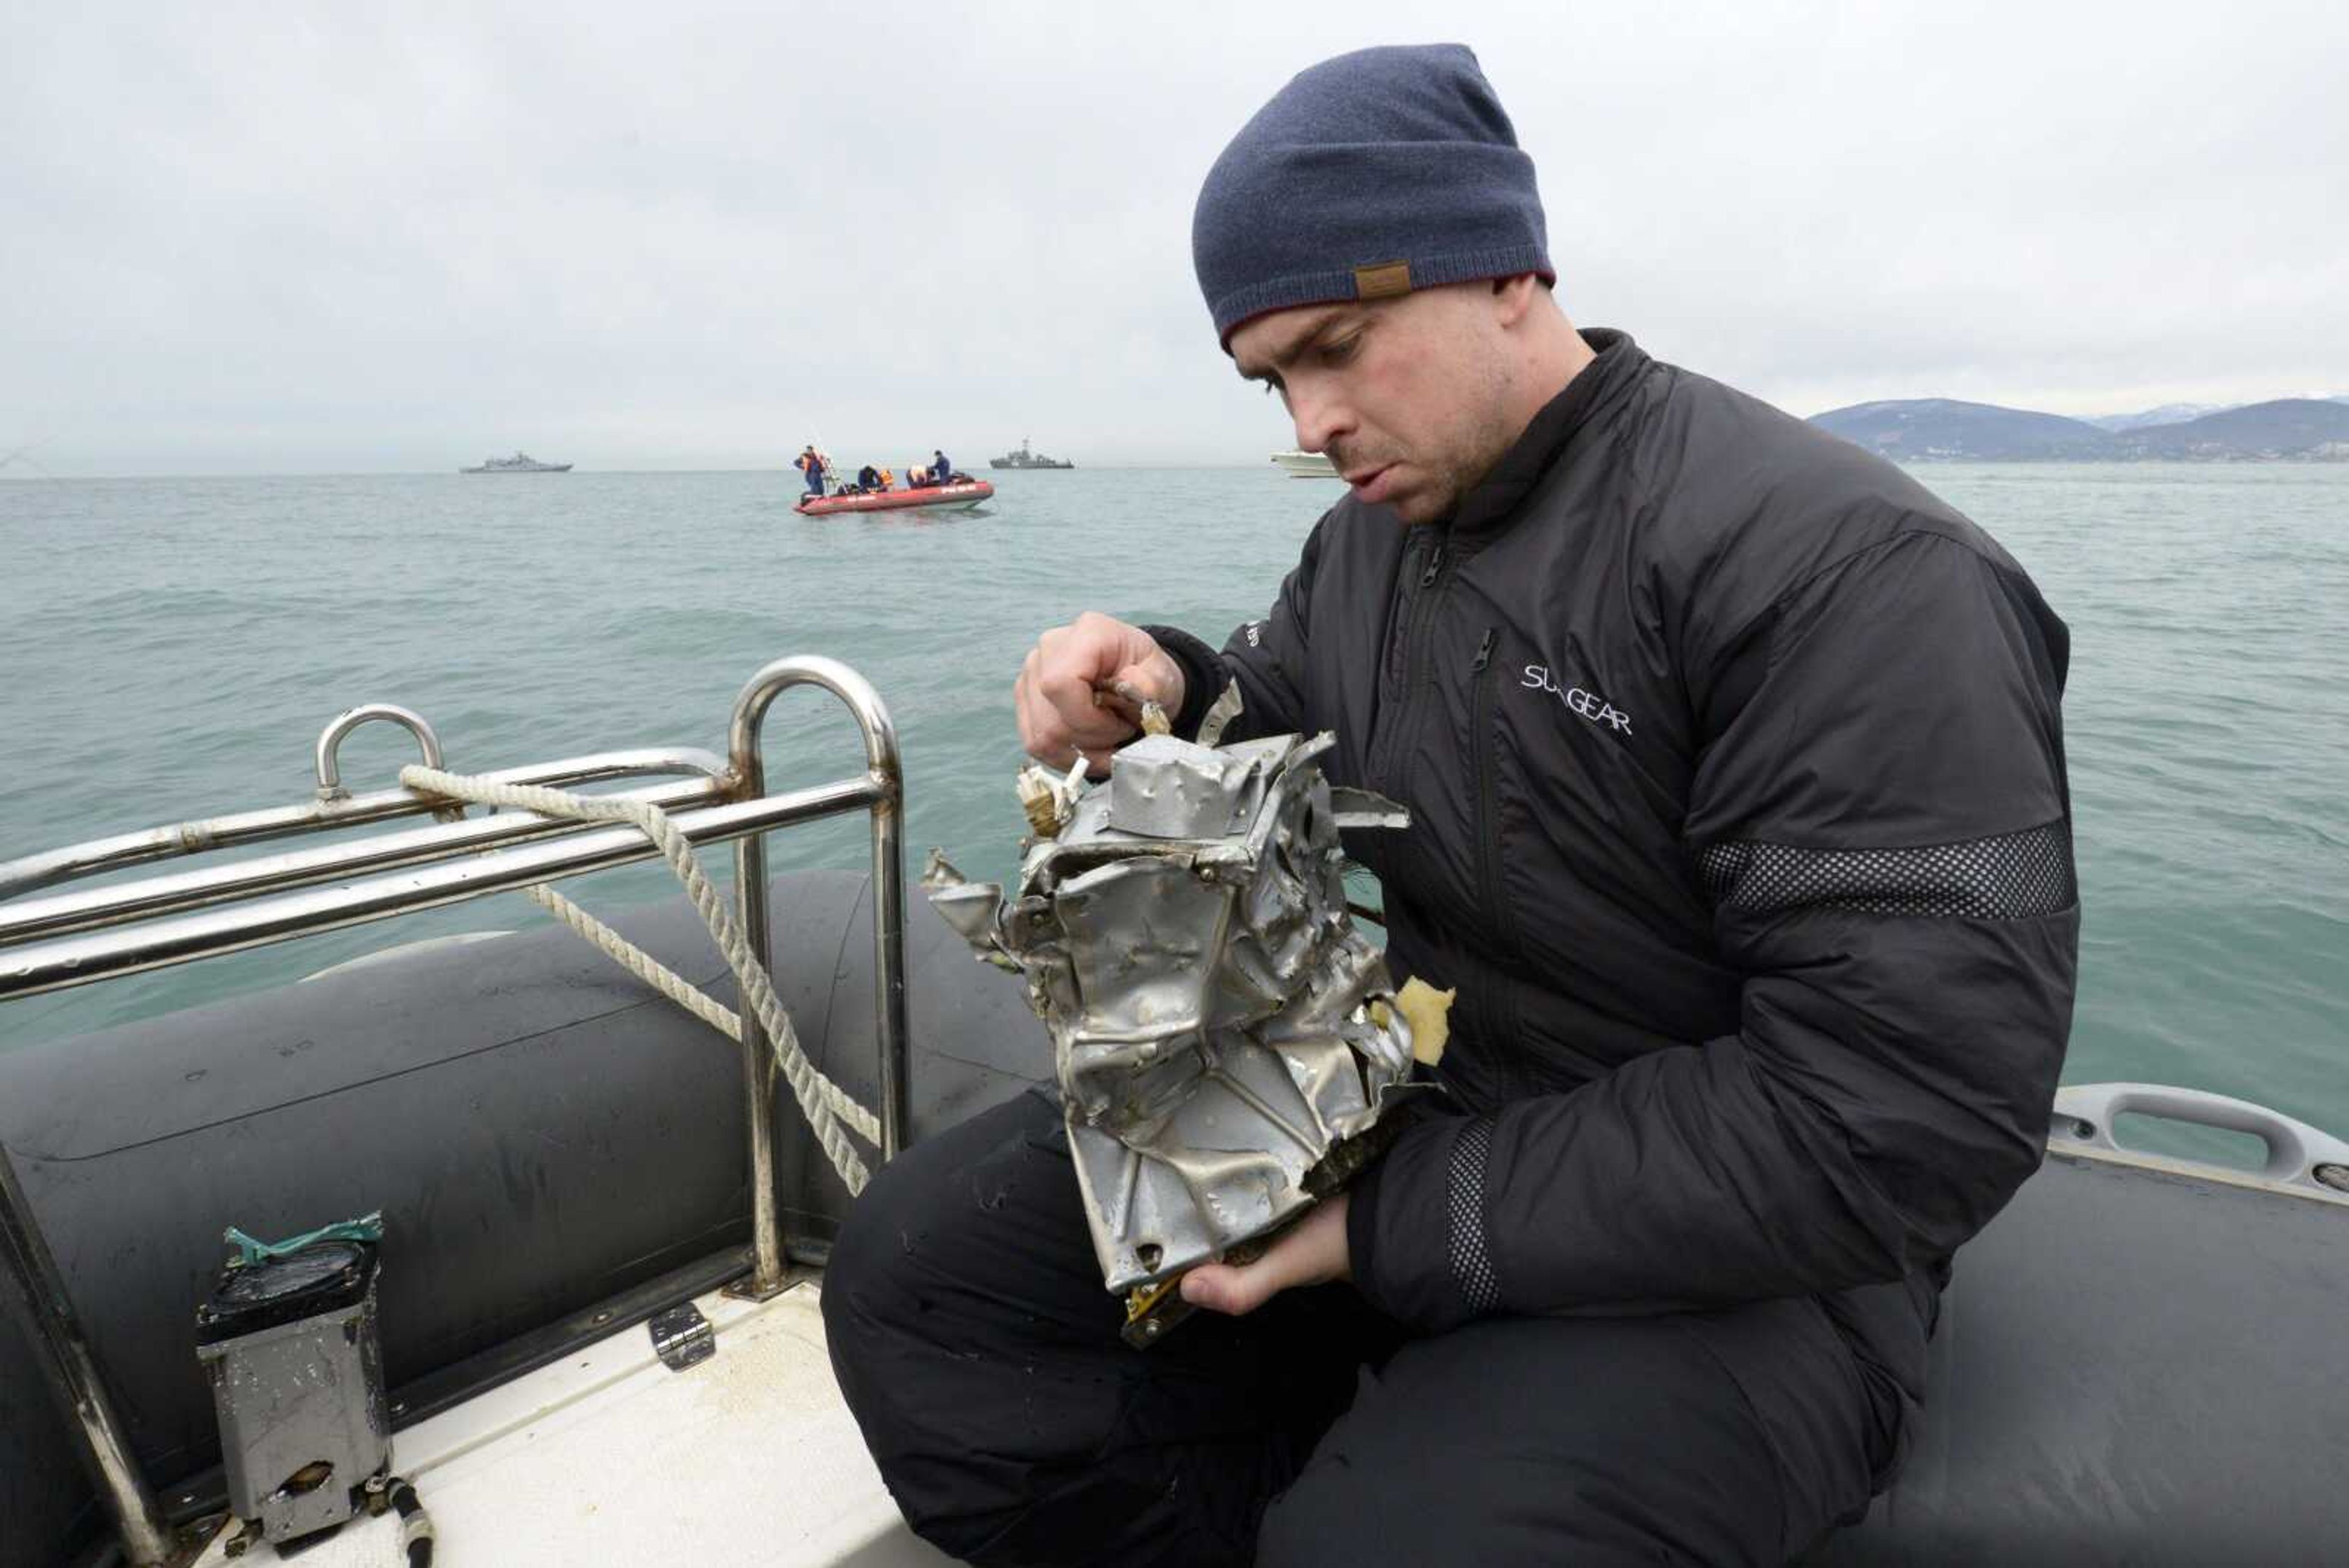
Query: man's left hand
x=1312, y=1253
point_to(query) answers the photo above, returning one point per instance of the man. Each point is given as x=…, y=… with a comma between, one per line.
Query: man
x=811, y=464
x=941, y=471
x=1739, y=822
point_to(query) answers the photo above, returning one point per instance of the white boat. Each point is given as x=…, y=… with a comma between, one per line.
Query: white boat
x=1305, y=465
x=2137, y=1361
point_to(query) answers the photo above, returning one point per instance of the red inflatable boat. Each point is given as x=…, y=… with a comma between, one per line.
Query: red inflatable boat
x=951, y=497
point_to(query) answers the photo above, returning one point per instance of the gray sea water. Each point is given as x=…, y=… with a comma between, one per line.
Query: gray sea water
x=170, y=648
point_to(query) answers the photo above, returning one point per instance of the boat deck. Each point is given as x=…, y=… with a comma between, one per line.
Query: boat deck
x=748, y=1457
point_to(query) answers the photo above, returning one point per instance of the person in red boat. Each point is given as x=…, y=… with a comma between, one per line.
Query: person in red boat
x=812, y=466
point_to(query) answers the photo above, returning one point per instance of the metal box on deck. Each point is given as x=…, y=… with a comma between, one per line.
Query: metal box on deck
x=296, y=1372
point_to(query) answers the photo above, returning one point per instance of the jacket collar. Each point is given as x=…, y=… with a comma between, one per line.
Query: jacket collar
x=1619, y=363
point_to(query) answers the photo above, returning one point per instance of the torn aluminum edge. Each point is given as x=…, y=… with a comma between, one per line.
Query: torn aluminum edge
x=1218, y=1025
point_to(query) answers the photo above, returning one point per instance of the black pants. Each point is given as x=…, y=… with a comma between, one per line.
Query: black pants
x=974, y=1343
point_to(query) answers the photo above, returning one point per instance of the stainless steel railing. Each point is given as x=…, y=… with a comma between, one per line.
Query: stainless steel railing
x=78, y=937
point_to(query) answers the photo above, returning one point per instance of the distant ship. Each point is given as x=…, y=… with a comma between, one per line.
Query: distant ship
x=1023, y=458
x=520, y=463
x=1305, y=465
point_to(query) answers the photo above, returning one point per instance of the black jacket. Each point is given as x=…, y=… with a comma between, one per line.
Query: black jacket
x=1735, y=767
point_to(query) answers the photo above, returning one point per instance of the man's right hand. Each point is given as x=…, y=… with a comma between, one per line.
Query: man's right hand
x=1063, y=694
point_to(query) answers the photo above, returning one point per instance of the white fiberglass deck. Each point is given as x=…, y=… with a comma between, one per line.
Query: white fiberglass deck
x=607, y=1456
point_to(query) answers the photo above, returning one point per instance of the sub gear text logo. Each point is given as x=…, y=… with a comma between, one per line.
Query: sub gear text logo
x=1587, y=704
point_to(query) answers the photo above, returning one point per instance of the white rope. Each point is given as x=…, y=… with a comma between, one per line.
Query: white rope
x=825, y=1104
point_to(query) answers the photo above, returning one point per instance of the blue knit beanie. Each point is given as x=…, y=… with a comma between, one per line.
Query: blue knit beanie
x=1368, y=175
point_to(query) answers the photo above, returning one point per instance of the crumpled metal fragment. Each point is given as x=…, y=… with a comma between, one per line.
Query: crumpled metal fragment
x=1218, y=1025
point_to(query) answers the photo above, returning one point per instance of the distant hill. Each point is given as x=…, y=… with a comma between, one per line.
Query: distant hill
x=2167, y=414
x=1923, y=428
x=2288, y=426
x=1914, y=430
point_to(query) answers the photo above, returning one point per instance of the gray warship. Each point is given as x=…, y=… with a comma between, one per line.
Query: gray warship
x=520, y=463
x=1021, y=457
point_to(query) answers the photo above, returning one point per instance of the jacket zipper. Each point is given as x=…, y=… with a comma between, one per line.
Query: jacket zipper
x=1394, y=654
x=1488, y=792
x=1404, y=716
x=1494, y=1013
x=1415, y=630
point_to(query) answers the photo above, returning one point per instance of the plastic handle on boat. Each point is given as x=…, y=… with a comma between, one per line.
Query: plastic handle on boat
x=2298, y=1153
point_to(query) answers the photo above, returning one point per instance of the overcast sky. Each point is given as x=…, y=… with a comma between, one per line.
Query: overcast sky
x=247, y=239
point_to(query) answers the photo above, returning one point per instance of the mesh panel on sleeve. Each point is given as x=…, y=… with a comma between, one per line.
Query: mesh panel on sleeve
x=2011, y=876
x=1464, y=1182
